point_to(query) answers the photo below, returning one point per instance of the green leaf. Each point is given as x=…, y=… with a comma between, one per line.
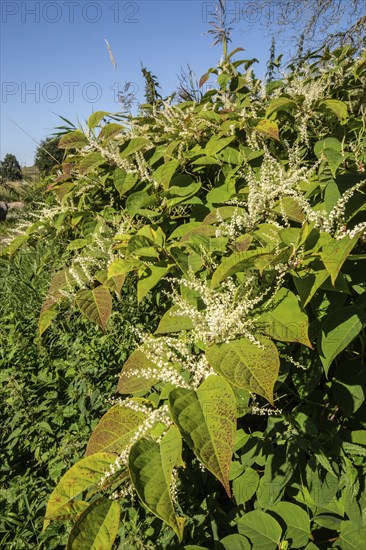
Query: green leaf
x=327, y=143
x=296, y=523
x=309, y=280
x=115, y=430
x=95, y=118
x=154, y=273
x=216, y=143
x=245, y=486
x=235, y=542
x=234, y=263
x=173, y=323
x=352, y=536
x=151, y=467
x=338, y=330
x=123, y=181
x=133, y=376
x=82, y=476
x=247, y=365
x=338, y=107
x=279, y=104
x=206, y=419
x=349, y=385
x=334, y=254
x=268, y=128
x=330, y=148
x=97, y=527
x=73, y=140
x=138, y=200
x=262, y=530
x=279, y=468
x=286, y=320
x=45, y=319
x=134, y=145
x=165, y=172
x=353, y=449
x=15, y=244
x=95, y=304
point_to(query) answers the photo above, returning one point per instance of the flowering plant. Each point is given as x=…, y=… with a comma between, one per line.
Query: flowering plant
x=245, y=214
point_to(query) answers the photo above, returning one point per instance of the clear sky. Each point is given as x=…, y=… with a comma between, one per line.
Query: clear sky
x=54, y=59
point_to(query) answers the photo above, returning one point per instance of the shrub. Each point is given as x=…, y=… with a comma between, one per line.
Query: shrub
x=241, y=420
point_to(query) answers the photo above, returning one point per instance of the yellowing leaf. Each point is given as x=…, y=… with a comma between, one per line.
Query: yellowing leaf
x=95, y=118
x=82, y=476
x=268, y=128
x=91, y=161
x=279, y=104
x=133, y=376
x=206, y=419
x=151, y=467
x=73, y=140
x=115, y=430
x=246, y=365
x=110, y=130
x=97, y=527
x=96, y=304
x=338, y=107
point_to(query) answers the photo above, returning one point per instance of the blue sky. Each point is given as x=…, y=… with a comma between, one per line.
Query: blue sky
x=54, y=59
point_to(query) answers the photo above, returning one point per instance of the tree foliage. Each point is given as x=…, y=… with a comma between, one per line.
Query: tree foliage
x=48, y=155
x=240, y=422
x=10, y=169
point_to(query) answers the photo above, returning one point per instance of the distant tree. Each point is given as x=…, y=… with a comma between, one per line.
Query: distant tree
x=10, y=169
x=48, y=155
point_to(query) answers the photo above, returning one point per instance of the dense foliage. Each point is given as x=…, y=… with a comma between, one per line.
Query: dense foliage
x=241, y=418
x=10, y=169
x=54, y=390
x=48, y=155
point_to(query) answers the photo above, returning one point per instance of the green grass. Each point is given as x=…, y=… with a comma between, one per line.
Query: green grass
x=54, y=390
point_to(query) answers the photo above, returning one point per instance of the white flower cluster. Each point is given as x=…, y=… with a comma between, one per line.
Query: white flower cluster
x=334, y=222
x=172, y=358
x=153, y=417
x=228, y=312
x=264, y=410
x=270, y=185
x=234, y=227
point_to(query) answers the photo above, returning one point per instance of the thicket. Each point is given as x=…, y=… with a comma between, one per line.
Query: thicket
x=240, y=419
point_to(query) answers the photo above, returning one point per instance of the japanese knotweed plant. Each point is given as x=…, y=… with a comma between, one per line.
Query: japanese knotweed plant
x=245, y=214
